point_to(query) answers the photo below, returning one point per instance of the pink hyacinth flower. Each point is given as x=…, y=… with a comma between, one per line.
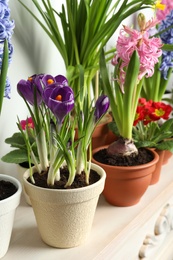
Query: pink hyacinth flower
x=148, y=50
x=161, y=14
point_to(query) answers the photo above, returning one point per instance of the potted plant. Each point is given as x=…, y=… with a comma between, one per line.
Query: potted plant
x=163, y=69
x=64, y=202
x=136, y=54
x=79, y=30
x=153, y=129
x=10, y=188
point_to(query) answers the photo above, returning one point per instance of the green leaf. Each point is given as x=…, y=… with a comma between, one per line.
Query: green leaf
x=130, y=97
x=16, y=156
x=17, y=140
x=3, y=75
x=166, y=126
x=165, y=145
x=144, y=143
x=167, y=47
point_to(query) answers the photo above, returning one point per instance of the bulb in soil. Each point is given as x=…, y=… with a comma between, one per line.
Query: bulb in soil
x=122, y=147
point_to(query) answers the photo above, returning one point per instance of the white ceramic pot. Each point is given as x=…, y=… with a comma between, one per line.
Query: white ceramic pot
x=7, y=213
x=21, y=170
x=65, y=217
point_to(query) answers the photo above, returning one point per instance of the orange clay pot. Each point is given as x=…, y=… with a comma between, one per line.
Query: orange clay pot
x=156, y=174
x=99, y=136
x=167, y=156
x=124, y=185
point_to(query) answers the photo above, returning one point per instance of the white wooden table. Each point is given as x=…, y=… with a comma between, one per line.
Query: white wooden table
x=117, y=233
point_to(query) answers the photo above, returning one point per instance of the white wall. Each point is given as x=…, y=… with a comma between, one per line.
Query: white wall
x=33, y=53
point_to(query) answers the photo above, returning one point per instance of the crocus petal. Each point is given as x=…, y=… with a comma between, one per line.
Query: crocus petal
x=60, y=100
x=61, y=80
x=48, y=80
x=27, y=89
x=102, y=105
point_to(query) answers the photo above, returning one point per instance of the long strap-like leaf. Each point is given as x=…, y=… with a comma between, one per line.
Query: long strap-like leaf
x=4, y=70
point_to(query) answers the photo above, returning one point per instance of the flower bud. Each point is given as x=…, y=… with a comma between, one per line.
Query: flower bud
x=141, y=21
x=101, y=107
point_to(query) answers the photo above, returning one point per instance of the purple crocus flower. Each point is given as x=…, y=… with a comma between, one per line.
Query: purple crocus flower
x=28, y=88
x=48, y=80
x=59, y=99
x=102, y=105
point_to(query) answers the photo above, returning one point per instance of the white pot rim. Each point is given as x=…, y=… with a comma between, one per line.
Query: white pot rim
x=94, y=166
x=15, y=182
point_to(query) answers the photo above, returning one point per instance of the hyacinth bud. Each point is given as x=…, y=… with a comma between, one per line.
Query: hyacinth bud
x=101, y=107
x=141, y=21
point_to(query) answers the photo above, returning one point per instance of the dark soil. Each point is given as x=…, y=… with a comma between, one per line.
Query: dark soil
x=144, y=156
x=7, y=189
x=25, y=165
x=79, y=182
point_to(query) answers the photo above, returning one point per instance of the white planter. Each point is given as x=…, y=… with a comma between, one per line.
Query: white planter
x=7, y=213
x=21, y=170
x=65, y=217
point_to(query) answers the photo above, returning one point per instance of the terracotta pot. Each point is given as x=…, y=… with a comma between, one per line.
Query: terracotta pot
x=156, y=174
x=100, y=134
x=110, y=138
x=7, y=212
x=124, y=185
x=64, y=217
x=167, y=156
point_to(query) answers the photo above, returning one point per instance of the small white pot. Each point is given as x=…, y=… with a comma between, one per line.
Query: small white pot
x=7, y=213
x=65, y=217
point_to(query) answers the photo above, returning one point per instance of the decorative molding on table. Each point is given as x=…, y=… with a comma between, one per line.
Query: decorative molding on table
x=163, y=227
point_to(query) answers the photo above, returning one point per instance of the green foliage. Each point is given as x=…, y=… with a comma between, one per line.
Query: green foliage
x=19, y=154
x=16, y=156
x=123, y=104
x=81, y=29
x=154, y=135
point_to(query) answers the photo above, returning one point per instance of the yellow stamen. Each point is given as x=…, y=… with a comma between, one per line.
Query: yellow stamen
x=50, y=81
x=159, y=5
x=159, y=112
x=30, y=78
x=59, y=98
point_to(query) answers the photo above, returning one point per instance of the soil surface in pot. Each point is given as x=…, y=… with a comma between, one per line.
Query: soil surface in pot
x=144, y=156
x=79, y=181
x=7, y=189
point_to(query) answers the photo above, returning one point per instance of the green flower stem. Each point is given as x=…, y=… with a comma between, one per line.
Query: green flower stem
x=42, y=149
x=35, y=161
x=79, y=159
